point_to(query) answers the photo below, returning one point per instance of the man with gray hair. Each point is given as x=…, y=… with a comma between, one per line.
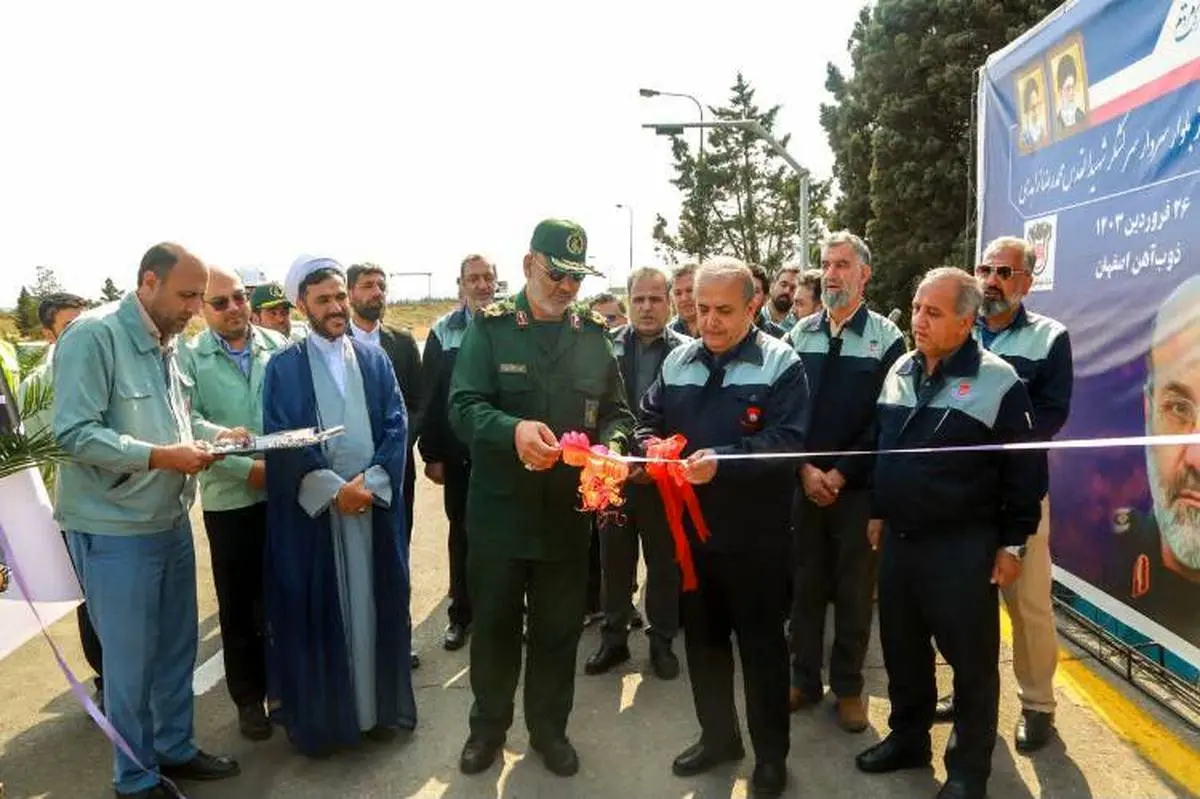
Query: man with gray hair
x=736, y=391
x=1156, y=568
x=1039, y=348
x=846, y=349
x=952, y=528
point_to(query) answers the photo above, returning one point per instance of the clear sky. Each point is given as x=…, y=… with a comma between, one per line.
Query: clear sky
x=405, y=134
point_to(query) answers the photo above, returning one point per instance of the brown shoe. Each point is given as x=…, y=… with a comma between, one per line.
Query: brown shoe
x=799, y=699
x=851, y=713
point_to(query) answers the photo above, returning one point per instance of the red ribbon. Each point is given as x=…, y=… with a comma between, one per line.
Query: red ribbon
x=677, y=495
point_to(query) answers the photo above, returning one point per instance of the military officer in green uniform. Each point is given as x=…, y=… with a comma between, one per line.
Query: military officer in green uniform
x=529, y=369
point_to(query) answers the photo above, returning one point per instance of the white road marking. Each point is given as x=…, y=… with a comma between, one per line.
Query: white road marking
x=209, y=674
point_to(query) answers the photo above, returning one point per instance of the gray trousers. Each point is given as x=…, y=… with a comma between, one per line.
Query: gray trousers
x=835, y=563
x=643, y=518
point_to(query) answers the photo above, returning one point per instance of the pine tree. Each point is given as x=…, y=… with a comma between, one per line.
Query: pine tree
x=742, y=199
x=110, y=292
x=46, y=282
x=27, y=314
x=900, y=130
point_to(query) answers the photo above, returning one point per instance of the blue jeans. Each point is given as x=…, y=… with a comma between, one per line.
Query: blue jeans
x=141, y=595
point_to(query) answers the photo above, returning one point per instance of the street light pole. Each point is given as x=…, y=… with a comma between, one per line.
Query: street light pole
x=755, y=127
x=700, y=163
x=629, y=208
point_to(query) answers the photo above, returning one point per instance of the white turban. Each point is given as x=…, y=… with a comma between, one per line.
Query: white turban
x=301, y=268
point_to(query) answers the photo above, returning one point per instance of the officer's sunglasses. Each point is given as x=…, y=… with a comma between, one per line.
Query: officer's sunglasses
x=1003, y=272
x=555, y=274
x=221, y=303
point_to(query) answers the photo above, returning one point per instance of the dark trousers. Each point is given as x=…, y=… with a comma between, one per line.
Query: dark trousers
x=93, y=653
x=743, y=594
x=410, y=493
x=236, y=539
x=554, y=591
x=642, y=518
x=595, y=575
x=939, y=588
x=454, y=499
x=833, y=560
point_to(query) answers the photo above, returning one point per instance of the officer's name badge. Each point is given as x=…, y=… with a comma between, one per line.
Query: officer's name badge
x=591, y=412
x=513, y=369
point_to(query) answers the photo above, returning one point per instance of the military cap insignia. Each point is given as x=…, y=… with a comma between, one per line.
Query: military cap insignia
x=575, y=244
x=275, y=290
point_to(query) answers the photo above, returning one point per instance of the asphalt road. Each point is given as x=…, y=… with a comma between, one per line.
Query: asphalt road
x=627, y=727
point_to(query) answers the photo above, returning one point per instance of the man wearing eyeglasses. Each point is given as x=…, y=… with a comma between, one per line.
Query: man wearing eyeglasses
x=225, y=366
x=1039, y=348
x=530, y=369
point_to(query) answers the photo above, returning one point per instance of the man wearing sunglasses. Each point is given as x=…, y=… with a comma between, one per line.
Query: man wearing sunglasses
x=1039, y=348
x=226, y=365
x=530, y=369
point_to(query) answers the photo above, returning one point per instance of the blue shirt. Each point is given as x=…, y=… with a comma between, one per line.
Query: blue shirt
x=241, y=358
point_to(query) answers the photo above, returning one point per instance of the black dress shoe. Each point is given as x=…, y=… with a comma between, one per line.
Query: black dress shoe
x=604, y=658
x=770, y=779
x=559, y=756
x=698, y=758
x=253, y=723
x=203, y=768
x=414, y=660
x=455, y=637
x=891, y=754
x=663, y=660
x=944, y=709
x=382, y=734
x=962, y=789
x=159, y=791
x=1034, y=730
x=479, y=754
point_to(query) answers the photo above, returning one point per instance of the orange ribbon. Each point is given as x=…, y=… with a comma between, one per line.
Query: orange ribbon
x=677, y=495
x=602, y=475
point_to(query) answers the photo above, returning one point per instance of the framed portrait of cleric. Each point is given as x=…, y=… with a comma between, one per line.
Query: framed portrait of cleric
x=1033, y=123
x=1068, y=87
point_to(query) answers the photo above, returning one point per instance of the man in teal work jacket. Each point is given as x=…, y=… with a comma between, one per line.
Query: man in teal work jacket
x=225, y=365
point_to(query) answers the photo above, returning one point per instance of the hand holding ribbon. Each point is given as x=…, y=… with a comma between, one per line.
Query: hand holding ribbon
x=602, y=473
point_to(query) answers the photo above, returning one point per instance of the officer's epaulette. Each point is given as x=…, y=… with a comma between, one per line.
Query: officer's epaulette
x=586, y=314
x=501, y=308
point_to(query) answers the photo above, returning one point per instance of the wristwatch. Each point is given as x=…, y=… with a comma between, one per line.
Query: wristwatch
x=1016, y=552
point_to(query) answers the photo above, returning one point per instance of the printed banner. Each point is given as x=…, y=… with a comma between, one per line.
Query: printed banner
x=32, y=545
x=1089, y=146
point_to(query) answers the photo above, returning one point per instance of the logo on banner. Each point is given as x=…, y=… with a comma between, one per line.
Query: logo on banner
x=1042, y=233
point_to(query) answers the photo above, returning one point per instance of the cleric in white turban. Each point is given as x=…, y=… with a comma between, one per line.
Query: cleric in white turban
x=337, y=587
x=300, y=269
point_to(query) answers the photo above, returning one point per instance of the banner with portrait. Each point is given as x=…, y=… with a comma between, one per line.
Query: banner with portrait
x=1089, y=147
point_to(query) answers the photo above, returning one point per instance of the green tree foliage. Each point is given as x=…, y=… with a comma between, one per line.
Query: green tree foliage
x=27, y=318
x=900, y=129
x=110, y=292
x=741, y=199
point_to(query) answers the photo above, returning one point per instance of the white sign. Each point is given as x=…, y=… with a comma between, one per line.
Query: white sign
x=35, y=549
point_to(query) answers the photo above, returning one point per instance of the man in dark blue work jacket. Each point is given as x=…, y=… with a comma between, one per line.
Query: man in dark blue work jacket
x=953, y=528
x=735, y=391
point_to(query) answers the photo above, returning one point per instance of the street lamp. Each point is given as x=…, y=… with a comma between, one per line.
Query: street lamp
x=755, y=127
x=629, y=208
x=701, y=185
x=699, y=107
